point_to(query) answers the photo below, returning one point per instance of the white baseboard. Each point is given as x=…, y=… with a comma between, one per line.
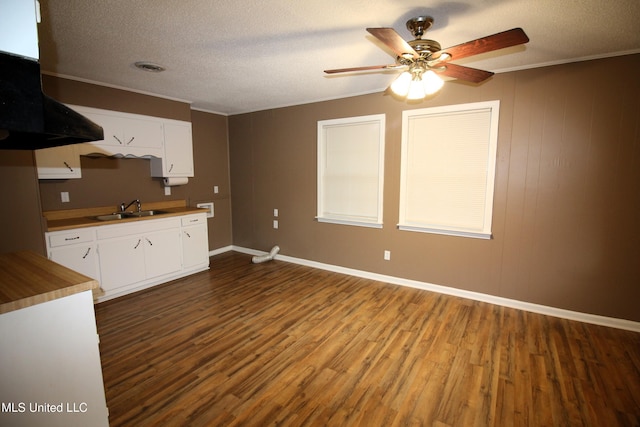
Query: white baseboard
x=477, y=296
x=221, y=250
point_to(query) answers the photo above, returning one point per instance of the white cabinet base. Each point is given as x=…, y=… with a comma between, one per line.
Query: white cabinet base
x=135, y=287
x=50, y=365
x=132, y=256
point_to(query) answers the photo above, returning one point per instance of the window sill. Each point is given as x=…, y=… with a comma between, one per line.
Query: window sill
x=349, y=222
x=457, y=233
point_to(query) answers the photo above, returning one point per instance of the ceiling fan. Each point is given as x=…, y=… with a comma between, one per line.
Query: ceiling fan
x=423, y=59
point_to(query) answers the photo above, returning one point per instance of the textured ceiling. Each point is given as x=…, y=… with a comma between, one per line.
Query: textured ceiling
x=235, y=56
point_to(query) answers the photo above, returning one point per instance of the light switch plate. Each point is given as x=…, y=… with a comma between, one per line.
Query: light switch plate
x=64, y=196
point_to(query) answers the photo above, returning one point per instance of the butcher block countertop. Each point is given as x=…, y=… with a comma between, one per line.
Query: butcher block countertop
x=78, y=218
x=27, y=278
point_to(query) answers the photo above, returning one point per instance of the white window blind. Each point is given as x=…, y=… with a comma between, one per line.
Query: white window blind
x=448, y=169
x=350, y=170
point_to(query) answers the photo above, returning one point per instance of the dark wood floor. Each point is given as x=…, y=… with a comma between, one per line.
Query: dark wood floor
x=282, y=344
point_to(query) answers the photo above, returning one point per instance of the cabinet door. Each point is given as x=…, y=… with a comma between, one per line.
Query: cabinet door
x=162, y=252
x=140, y=132
x=112, y=127
x=58, y=162
x=195, y=246
x=178, y=149
x=121, y=262
x=125, y=134
x=81, y=258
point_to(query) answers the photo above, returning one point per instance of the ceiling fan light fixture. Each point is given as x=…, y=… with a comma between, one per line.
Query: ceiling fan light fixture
x=416, y=89
x=425, y=58
x=400, y=85
x=416, y=84
x=431, y=82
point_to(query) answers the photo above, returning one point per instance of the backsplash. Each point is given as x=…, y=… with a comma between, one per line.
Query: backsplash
x=107, y=181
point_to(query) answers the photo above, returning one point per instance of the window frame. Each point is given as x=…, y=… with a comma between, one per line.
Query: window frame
x=485, y=230
x=375, y=219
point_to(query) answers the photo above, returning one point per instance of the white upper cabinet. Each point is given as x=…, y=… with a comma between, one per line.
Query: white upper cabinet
x=177, y=160
x=58, y=162
x=168, y=143
x=125, y=134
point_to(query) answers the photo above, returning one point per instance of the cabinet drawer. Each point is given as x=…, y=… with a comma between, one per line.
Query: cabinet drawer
x=194, y=220
x=70, y=238
x=135, y=228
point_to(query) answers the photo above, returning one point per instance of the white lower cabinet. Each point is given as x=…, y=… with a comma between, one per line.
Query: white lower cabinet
x=81, y=258
x=130, y=260
x=121, y=262
x=50, y=355
x=134, y=252
x=132, y=256
x=195, y=241
x=75, y=249
x=162, y=254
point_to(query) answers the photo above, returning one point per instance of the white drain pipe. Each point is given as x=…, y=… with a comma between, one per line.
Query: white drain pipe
x=266, y=257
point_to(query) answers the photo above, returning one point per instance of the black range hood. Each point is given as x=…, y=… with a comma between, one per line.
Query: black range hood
x=29, y=119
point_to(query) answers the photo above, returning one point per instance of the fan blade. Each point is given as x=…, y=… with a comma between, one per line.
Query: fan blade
x=465, y=73
x=371, y=67
x=497, y=41
x=392, y=39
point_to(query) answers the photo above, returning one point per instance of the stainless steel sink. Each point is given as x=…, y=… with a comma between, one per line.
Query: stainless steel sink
x=142, y=213
x=109, y=217
x=123, y=215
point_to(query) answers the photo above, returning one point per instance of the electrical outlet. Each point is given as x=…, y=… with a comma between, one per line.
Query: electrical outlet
x=64, y=196
x=216, y=190
x=275, y=223
x=387, y=255
x=275, y=212
x=167, y=191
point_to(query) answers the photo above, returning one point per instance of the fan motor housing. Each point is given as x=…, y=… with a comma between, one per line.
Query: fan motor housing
x=425, y=45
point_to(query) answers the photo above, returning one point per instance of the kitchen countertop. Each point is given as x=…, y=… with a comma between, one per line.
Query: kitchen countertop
x=78, y=218
x=27, y=278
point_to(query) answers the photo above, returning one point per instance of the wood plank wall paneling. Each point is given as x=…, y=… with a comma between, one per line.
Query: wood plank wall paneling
x=278, y=343
x=566, y=206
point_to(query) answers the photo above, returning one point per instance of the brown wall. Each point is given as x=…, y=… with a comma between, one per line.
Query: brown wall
x=21, y=225
x=111, y=181
x=567, y=201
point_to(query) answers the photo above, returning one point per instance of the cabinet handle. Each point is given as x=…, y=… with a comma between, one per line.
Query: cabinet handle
x=117, y=139
x=137, y=244
x=67, y=165
x=171, y=167
x=148, y=241
x=87, y=253
x=188, y=235
x=67, y=239
x=131, y=140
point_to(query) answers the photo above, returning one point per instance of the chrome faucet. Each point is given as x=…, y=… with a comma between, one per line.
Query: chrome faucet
x=124, y=208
